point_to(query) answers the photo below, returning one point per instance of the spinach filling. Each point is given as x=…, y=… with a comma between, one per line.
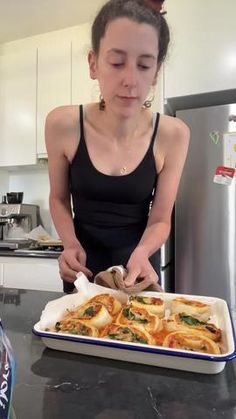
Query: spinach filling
x=189, y=320
x=131, y=316
x=127, y=333
x=89, y=312
x=141, y=300
x=75, y=330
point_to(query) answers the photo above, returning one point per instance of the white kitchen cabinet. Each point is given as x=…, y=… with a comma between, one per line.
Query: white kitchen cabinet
x=84, y=89
x=202, y=54
x=18, y=107
x=54, y=81
x=31, y=273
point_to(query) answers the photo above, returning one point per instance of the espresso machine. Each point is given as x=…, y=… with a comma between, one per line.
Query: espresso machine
x=16, y=220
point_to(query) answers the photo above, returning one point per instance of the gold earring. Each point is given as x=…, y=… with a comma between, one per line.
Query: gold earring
x=102, y=103
x=148, y=102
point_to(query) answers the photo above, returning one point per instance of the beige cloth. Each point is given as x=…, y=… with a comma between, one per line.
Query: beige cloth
x=116, y=280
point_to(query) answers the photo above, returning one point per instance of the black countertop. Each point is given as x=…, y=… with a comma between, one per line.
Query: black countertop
x=59, y=385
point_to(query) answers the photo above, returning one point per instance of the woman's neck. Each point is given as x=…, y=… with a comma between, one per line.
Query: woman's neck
x=121, y=128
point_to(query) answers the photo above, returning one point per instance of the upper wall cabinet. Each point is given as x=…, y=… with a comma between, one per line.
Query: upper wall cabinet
x=54, y=82
x=202, y=55
x=38, y=74
x=84, y=89
x=18, y=108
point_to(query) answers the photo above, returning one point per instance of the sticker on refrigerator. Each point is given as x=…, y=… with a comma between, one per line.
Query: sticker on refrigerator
x=215, y=137
x=224, y=175
x=230, y=149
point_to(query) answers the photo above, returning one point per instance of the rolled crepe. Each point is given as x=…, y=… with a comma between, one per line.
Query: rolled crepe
x=154, y=305
x=127, y=334
x=75, y=327
x=194, y=308
x=111, y=303
x=191, y=342
x=184, y=322
x=139, y=318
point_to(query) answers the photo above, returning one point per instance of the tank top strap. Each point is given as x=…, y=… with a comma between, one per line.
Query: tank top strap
x=81, y=122
x=156, y=124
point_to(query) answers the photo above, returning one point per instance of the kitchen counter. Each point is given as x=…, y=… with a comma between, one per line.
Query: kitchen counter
x=30, y=253
x=55, y=385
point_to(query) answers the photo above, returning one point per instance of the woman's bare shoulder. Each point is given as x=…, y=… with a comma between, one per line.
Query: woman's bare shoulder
x=63, y=117
x=173, y=139
x=61, y=128
x=174, y=128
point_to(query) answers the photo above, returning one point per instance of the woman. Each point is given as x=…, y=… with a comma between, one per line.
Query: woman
x=115, y=158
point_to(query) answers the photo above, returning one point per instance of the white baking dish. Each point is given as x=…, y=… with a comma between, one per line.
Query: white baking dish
x=148, y=354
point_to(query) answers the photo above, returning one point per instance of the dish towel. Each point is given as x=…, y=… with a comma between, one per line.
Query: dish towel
x=114, y=278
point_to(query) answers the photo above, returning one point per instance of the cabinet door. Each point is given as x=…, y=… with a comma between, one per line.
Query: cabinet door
x=32, y=274
x=202, y=54
x=84, y=90
x=54, y=83
x=18, y=108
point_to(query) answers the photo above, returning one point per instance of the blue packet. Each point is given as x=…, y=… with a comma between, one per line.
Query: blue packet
x=7, y=374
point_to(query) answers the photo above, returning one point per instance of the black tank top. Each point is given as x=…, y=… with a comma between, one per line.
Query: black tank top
x=111, y=211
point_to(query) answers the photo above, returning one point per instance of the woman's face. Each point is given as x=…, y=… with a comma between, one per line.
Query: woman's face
x=126, y=66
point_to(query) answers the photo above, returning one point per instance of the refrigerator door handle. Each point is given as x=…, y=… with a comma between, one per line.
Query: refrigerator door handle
x=166, y=253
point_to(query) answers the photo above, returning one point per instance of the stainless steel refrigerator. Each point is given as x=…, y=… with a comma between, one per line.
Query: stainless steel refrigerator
x=205, y=211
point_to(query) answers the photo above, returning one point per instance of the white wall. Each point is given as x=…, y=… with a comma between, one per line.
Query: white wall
x=4, y=182
x=34, y=183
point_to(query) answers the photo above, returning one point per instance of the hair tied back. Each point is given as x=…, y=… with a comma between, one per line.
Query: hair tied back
x=156, y=5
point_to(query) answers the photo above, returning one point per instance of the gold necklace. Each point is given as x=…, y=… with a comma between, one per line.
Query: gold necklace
x=123, y=170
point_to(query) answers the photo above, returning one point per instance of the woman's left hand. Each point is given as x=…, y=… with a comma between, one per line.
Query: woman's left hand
x=139, y=266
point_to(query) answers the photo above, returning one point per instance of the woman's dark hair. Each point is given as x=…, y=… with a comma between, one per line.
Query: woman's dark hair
x=136, y=10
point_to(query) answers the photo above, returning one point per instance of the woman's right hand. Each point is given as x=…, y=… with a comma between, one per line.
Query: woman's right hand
x=71, y=261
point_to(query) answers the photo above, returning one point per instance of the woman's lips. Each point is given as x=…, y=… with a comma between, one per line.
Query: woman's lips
x=127, y=99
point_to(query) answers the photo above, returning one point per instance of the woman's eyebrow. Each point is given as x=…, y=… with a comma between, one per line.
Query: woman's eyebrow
x=148, y=56
x=116, y=50
x=121, y=52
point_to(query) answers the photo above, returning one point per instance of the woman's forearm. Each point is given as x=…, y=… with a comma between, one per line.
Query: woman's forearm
x=154, y=236
x=62, y=217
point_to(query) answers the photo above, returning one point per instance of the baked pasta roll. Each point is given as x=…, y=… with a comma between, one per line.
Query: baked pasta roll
x=186, y=323
x=191, y=342
x=194, y=308
x=154, y=305
x=75, y=327
x=139, y=318
x=127, y=334
x=111, y=303
x=93, y=314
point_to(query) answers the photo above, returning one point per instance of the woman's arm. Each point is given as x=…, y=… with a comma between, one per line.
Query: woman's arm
x=173, y=141
x=60, y=133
